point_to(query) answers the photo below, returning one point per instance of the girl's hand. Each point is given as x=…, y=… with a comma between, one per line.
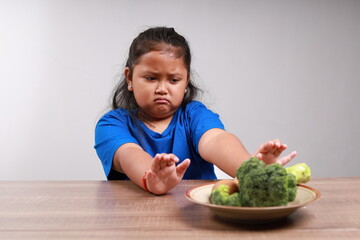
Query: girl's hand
x=270, y=151
x=164, y=174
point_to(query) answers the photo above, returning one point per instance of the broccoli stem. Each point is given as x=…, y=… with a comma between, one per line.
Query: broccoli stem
x=301, y=171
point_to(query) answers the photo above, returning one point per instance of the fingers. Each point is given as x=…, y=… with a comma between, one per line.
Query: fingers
x=264, y=148
x=287, y=158
x=164, y=175
x=270, y=151
x=163, y=160
x=181, y=168
x=274, y=147
x=279, y=148
x=259, y=156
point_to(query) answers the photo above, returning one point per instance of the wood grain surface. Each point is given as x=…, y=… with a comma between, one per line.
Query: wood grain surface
x=121, y=210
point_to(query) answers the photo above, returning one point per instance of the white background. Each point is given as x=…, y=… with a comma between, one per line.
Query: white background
x=271, y=69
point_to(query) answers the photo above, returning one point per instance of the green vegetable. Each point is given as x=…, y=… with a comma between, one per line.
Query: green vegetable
x=221, y=196
x=263, y=185
x=301, y=171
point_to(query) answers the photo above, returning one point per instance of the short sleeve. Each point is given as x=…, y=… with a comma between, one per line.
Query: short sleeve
x=201, y=119
x=111, y=132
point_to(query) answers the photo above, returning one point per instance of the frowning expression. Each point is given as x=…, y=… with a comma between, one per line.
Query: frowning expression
x=158, y=82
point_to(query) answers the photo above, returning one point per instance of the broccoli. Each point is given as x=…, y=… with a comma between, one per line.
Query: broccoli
x=221, y=196
x=262, y=185
x=265, y=186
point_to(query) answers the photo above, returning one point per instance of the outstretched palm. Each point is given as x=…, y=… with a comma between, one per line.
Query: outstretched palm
x=270, y=151
x=164, y=174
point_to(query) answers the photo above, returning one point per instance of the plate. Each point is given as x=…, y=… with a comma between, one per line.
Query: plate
x=201, y=195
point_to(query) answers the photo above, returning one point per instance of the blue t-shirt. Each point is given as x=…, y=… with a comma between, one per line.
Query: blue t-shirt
x=181, y=138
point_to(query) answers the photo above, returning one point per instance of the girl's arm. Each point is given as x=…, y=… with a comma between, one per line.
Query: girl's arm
x=161, y=172
x=226, y=151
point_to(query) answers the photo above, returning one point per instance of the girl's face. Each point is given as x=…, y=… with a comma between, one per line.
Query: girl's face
x=158, y=82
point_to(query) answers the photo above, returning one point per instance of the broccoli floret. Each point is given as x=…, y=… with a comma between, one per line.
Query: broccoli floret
x=265, y=186
x=262, y=185
x=221, y=196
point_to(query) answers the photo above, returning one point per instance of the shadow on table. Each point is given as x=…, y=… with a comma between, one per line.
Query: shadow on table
x=202, y=218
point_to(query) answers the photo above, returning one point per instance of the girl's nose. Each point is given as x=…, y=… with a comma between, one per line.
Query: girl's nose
x=161, y=88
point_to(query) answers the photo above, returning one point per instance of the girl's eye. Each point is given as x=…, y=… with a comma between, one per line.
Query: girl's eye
x=174, y=80
x=150, y=78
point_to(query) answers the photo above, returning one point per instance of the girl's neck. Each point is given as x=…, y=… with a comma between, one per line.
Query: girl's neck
x=156, y=125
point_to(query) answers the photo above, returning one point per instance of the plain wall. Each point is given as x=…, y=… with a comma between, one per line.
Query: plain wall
x=271, y=69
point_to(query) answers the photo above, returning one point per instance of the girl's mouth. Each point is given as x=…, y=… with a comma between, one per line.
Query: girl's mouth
x=161, y=100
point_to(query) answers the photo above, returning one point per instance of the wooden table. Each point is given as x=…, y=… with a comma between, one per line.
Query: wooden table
x=120, y=210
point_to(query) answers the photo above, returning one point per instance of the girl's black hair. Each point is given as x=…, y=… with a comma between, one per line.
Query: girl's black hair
x=154, y=39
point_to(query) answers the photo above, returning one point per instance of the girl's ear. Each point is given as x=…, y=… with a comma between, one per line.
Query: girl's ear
x=128, y=78
x=127, y=74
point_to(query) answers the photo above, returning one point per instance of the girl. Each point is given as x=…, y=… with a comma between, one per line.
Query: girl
x=157, y=134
